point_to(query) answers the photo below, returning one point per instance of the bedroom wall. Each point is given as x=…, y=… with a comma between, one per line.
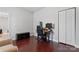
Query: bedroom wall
x=20, y=20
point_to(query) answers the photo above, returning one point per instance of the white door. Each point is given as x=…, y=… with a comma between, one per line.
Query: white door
x=62, y=26
x=70, y=26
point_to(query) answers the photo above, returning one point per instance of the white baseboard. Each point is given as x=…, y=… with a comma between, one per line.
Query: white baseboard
x=55, y=40
x=77, y=46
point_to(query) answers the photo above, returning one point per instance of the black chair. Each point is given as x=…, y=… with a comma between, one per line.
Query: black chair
x=39, y=32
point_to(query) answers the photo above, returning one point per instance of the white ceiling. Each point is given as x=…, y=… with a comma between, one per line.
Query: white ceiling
x=33, y=9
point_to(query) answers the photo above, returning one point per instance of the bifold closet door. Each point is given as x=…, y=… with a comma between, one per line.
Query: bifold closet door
x=62, y=26
x=67, y=26
x=70, y=26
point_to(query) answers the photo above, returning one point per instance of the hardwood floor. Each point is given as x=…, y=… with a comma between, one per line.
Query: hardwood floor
x=36, y=45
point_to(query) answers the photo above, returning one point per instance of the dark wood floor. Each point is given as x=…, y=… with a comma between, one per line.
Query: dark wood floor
x=35, y=45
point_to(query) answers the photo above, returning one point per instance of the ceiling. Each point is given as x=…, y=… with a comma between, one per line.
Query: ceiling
x=33, y=9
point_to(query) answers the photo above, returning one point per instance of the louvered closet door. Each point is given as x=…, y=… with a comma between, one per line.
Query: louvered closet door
x=70, y=26
x=62, y=26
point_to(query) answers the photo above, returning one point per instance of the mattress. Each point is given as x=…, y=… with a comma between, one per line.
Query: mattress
x=4, y=41
x=8, y=48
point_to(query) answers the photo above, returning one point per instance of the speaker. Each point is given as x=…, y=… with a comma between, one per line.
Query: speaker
x=22, y=35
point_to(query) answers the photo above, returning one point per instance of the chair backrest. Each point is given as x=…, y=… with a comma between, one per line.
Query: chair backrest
x=39, y=30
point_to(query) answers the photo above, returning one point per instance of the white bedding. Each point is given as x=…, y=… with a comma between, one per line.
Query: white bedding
x=5, y=42
x=8, y=48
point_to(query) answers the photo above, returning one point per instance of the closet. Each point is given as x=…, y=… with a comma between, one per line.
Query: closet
x=67, y=26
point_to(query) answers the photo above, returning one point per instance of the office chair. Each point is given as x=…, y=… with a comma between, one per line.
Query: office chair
x=39, y=32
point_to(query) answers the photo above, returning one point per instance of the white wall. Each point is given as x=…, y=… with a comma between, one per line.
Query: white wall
x=20, y=20
x=23, y=20
x=48, y=14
